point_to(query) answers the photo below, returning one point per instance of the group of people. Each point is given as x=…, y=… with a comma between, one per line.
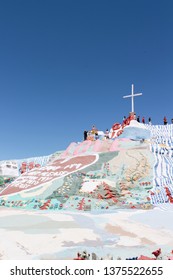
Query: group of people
x=149, y=120
x=138, y=119
x=93, y=134
x=143, y=120
x=94, y=131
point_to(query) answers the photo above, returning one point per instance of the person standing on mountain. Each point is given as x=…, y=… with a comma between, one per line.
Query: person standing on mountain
x=149, y=121
x=143, y=120
x=85, y=134
x=165, y=120
x=107, y=134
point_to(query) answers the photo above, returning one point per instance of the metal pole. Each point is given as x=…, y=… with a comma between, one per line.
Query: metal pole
x=132, y=98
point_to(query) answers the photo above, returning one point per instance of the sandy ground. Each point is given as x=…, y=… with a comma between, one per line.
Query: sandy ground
x=60, y=235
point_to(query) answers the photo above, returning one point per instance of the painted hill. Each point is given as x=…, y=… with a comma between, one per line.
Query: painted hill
x=131, y=169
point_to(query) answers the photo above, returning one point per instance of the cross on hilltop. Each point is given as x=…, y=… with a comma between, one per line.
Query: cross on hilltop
x=132, y=97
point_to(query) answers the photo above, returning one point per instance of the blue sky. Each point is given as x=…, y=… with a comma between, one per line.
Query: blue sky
x=66, y=64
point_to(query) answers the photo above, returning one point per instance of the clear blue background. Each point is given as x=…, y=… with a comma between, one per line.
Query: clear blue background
x=66, y=64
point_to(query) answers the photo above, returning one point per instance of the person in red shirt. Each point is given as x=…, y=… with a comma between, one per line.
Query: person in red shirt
x=165, y=120
x=143, y=120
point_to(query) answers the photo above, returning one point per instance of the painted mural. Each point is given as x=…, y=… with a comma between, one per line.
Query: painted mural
x=107, y=173
x=112, y=179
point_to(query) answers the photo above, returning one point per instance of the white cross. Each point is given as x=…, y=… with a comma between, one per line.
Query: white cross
x=132, y=96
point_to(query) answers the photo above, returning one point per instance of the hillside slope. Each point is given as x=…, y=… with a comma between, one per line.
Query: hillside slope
x=133, y=170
